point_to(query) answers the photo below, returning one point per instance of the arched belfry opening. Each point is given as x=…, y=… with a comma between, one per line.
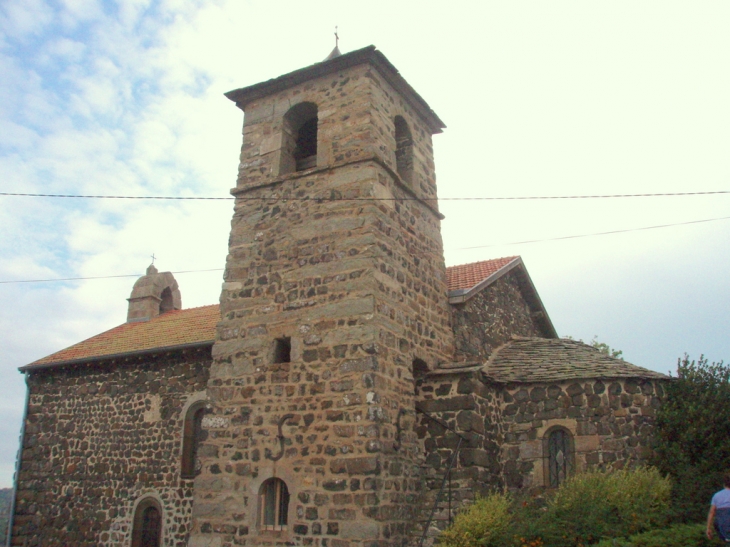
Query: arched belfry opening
x=403, y=149
x=166, y=303
x=299, y=146
x=153, y=294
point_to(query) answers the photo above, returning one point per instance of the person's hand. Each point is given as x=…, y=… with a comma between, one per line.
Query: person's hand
x=709, y=533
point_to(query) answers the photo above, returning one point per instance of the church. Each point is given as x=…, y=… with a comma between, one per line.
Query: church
x=348, y=390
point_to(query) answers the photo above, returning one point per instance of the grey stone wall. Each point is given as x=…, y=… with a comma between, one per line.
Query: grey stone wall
x=490, y=318
x=461, y=400
x=611, y=423
x=97, y=438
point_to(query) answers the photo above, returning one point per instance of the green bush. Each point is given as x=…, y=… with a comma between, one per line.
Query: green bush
x=680, y=535
x=597, y=505
x=484, y=523
x=692, y=436
x=584, y=510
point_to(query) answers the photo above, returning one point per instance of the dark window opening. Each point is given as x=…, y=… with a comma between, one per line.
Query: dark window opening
x=403, y=149
x=166, y=301
x=419, y=369
x=193, y=435
x=305, y=154
x=147, y=525
x=560, y=457
x=299, y=144
x=282, y=350
x=274, y=505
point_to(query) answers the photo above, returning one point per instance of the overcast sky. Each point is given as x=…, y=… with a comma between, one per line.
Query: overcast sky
x=540, y=99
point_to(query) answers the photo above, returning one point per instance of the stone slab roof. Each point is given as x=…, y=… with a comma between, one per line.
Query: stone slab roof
x=171, y=330
x=557, y=359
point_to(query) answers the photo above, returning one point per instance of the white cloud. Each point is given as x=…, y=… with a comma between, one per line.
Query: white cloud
x=21, y=18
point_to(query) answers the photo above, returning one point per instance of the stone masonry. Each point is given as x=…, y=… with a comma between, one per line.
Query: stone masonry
x=98, y=437
x=356, y=286
x=343, y=362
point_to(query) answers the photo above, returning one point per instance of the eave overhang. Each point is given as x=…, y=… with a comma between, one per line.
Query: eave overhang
x=367, y=55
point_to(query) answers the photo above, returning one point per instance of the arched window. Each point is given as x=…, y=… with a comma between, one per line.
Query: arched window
x=299, y=145
x=147, y=524
x=559, y=456
x=273, y=505
x=193, y=435
x=403, y=149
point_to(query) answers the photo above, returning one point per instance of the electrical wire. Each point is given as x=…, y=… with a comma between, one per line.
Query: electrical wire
x=457, y=249
x=594, y=234
x=334, y=198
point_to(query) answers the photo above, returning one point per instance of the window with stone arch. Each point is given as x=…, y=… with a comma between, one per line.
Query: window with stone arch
x=147, y=524
x=273, y=505
x=559, y=456
x=403, y=149
x=299, y=139
x=193, y=435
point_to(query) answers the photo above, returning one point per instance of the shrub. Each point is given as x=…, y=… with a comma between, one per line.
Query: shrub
x=484, y=523
x=679, y=535
x=584, y=510
x=596, y=505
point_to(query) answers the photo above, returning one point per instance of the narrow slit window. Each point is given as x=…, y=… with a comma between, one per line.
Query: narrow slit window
x=274, y=505
x=560, y=457
x=282, y=350
x=419, y=370
x=192, y=437
x=403, y=149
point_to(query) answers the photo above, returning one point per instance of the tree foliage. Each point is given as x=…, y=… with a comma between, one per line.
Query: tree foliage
x=693, y=435
x=605, y=348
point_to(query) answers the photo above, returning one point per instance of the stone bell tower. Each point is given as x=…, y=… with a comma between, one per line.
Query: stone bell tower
x=334, y=297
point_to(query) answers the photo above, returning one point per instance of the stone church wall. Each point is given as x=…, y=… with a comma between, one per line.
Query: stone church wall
x=610, y=421
x=463, y=402
x=490, y=318
x=98, y=437
x=505, y=429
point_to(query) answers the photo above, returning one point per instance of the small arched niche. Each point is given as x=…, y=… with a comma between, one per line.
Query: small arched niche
x=299, y=146
x=403, y=149
x=147, y=524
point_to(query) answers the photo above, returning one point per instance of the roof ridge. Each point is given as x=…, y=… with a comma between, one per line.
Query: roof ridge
x=482, y=261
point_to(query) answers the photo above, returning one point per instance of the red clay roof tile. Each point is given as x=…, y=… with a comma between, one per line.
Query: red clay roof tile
x=197, y=325
x=465, y=276
x=174, y=328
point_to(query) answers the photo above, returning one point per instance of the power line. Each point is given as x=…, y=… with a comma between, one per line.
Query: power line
x=101, y=277
x=458, y=249
x=594, y=234
x=335, y=198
